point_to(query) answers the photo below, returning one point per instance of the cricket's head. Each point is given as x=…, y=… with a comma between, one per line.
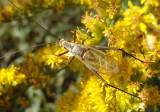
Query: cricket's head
x=68, y=45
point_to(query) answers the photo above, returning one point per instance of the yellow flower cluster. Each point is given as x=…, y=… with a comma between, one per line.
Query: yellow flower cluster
x=10, y=77
x=150, y=95
x=34, y=75
x=18, y=77
x=47, y=55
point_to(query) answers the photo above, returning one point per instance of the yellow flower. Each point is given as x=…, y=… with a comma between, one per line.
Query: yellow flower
x=133, y=87
x=112, y=9
x=32, y=68
x=150, y=95
x=154, y=3
x=93, y=95
x=137, y=18
x=10, y=77
x=47, y=55
x=93, y=25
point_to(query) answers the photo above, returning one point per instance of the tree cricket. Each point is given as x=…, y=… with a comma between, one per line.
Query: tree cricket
x=94, y=59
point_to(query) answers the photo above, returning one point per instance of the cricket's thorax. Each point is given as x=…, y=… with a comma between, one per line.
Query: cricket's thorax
x=68, y=45
x=93, y=58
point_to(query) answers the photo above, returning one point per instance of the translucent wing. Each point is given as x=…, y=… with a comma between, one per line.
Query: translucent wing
x=96, y=59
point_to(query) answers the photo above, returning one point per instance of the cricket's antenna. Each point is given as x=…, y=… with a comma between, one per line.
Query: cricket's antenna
x=26, y=49
x=31, y=19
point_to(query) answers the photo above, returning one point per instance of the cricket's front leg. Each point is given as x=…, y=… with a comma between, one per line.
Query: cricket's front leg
x=65, y=53
x=70, y=61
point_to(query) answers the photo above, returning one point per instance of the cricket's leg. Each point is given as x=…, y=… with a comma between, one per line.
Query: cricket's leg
x=58, y=54
x=71, y=61
x=61, y=53
x=75, y=36
x=83, y=42
x=106, y=84
x=115, y=48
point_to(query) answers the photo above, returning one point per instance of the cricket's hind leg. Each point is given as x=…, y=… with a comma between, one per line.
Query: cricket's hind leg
x=115, y=48
x=106, y=84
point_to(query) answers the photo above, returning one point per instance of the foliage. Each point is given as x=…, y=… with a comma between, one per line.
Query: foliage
x=131, y=26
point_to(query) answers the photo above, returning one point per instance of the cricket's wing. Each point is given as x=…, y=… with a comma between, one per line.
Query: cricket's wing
x=99, y=61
